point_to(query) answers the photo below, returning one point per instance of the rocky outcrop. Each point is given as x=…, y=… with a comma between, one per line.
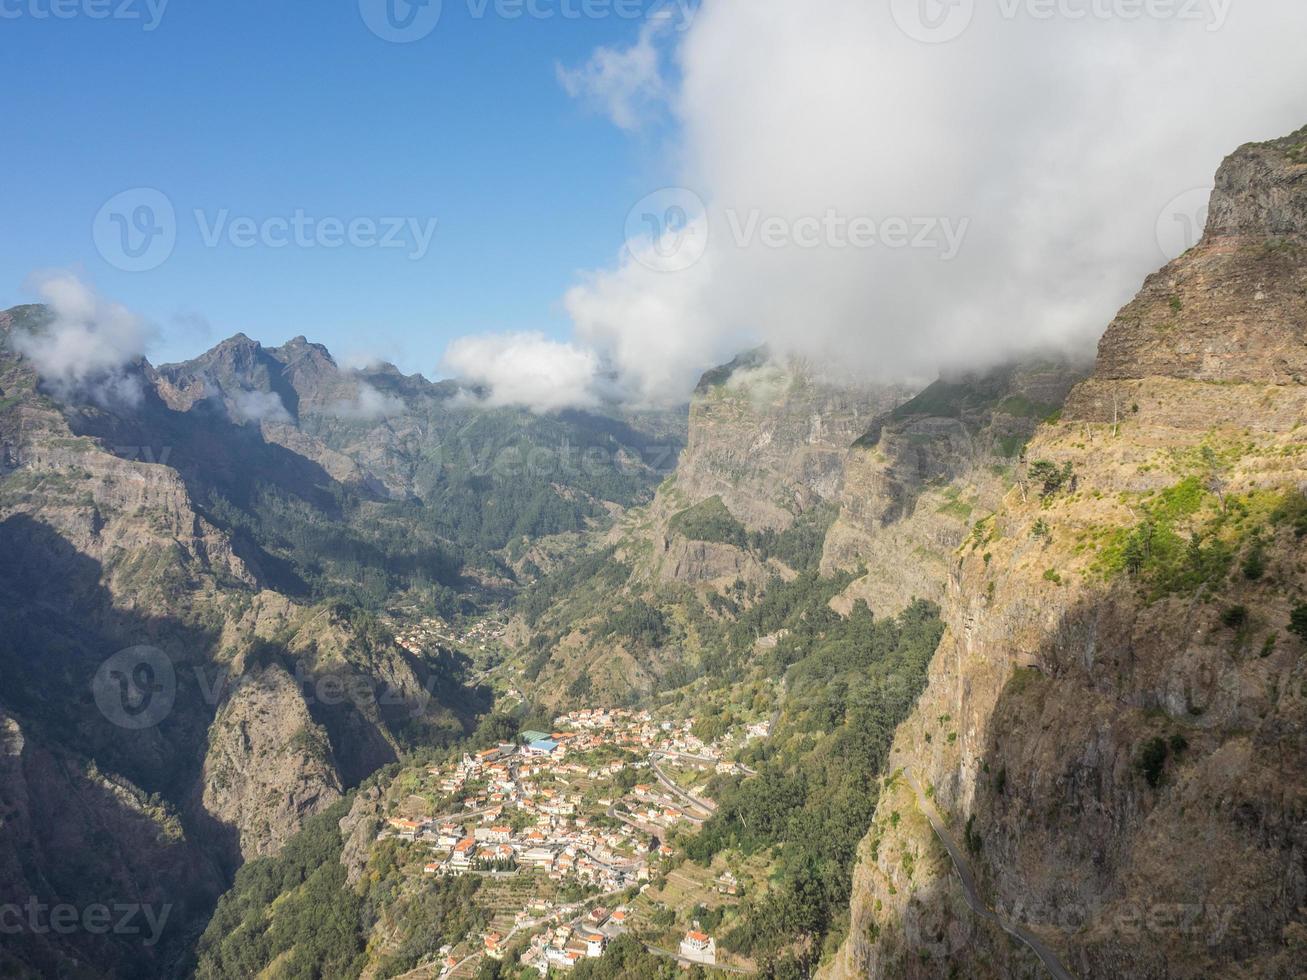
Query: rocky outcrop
x=75, y=837
x=269, y=767
x=1232, y=308
x=770, y=440
x=924, y=474
x=769, y=437
x=1115, y=716
x=1259, y=191
x=358, y=831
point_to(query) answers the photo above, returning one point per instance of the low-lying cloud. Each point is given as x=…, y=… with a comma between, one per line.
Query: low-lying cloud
x=1044, y=143
x=258, y=407
x=86, y=351
x=527, y=369
x=368, y=405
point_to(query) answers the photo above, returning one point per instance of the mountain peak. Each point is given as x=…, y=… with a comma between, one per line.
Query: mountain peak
x=1234, y=307
x=1261, y=189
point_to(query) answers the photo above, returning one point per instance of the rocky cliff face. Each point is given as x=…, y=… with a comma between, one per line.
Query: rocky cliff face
x=750, y=500
x=770, y=438
x=922, y=475
x=269, y=767
x=1115, y=718
x=165, y=713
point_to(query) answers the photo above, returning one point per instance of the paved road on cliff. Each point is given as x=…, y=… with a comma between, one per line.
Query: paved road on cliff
x=977, y=904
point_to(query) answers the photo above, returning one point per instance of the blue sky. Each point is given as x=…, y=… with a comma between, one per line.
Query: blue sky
x=261, y=108
x=1056, y=157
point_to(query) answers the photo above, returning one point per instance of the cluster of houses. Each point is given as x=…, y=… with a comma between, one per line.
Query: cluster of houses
x=526, y=819
x=521, y=807
x=587, y=937
x=638, y=732
x=420, y=636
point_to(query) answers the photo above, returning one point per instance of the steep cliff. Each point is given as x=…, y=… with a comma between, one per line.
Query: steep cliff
x=166, y=713
x=769, y=437
x=920, y=478
x=1115, y=717
x=749, y=504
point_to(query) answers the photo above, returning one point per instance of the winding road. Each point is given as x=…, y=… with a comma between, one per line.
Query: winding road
x=977, y=904
x=706, y=807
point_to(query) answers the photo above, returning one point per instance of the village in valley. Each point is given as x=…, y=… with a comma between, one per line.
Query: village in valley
x=573, y=834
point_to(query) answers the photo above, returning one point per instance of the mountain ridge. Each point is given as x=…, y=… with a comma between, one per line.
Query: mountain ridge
x=1118, y=704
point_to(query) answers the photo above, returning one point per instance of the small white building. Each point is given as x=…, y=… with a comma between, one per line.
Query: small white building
x=699, y=947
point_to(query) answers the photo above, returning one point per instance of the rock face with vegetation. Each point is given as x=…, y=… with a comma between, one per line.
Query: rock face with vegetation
x=769, y=438
x=921, y=476
x=244, y=518
x=1115, y=717
x=748, y=507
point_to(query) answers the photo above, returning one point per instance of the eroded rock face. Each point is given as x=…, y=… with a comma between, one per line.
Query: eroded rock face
x=770, y=438
x=1126, y=758
x=924, y=473
x=1234, y=308
x=359, y=829
x=269, y=766
x=73, y=835
x=1259, y=190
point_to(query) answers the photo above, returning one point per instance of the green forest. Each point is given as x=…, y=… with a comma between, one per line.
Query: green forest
x=849, y=683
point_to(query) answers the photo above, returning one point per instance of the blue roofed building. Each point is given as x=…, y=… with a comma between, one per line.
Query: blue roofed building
x=542, y=746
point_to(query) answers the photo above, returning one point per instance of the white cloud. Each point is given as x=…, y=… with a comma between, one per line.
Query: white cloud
x=527, y=369
x=654, y=327
x=86, y=350
x=1060, y=142
x=368, y=405
x=623, y=84
x=258, y=406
